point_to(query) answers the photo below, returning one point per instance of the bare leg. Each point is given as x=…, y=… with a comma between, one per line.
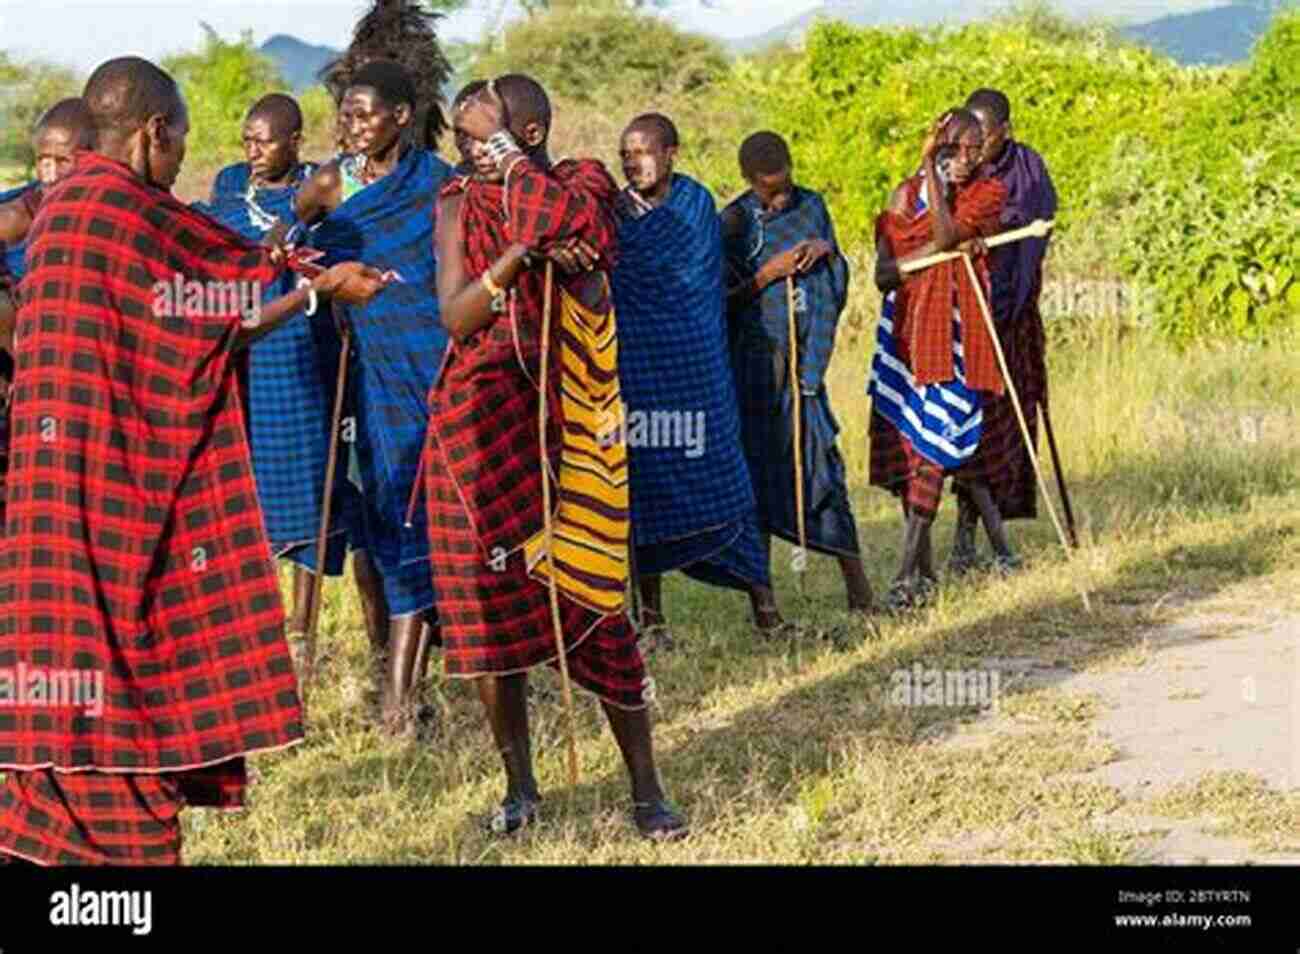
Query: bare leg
x=374, y=610
x=855, y=583
x=655, y=633
x=965, y=553
x=767, y=618
x=403, y=644
x=654, y=817
x=506, y=700
x=993, y=526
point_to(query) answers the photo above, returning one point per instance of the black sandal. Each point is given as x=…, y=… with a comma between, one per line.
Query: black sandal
x=659, y=821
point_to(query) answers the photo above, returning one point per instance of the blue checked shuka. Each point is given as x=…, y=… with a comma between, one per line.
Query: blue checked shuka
x=398, y=345
x=943, y=422
x=693, y=503
x=290, y=391
x=760, y=346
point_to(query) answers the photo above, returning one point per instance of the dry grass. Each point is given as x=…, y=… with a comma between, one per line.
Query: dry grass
x=793, y=753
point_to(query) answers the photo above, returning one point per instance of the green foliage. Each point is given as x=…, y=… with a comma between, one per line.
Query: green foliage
x=27, y=90
x=1199, y=165
x=220, y=82
x=594, y=51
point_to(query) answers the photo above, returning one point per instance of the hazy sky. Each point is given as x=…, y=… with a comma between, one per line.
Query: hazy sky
x=84, y=33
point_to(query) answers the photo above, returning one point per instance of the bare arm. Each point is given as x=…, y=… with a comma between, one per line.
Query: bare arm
x=15, y=221
x=465, y=305
x=349, y=282
x=320, y=195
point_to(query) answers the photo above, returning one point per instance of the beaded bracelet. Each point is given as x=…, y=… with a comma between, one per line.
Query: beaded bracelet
x=499, y=145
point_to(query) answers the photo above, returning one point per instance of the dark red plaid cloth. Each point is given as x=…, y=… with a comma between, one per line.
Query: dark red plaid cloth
x=897, y=467
x=483, y=459
x=924, y=303
x=135, y=551
x=1002, y=462
x=95, y=818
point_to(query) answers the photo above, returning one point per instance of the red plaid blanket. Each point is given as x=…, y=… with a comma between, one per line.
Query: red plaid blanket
x=925, y=301
x=136, y=583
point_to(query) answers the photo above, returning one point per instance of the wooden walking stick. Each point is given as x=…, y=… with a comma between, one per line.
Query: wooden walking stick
x=318, y=582
x=801, y=561
x=550, y=528
x=1020, y=414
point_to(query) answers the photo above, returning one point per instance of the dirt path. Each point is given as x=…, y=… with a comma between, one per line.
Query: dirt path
x=1210, y=693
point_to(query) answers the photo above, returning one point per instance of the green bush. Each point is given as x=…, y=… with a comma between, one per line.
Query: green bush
x=26, y=91
x=594, y=51
x=220, y=82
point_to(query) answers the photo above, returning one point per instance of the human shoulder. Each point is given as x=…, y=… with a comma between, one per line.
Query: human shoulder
x=735, y=216
x=233, y=178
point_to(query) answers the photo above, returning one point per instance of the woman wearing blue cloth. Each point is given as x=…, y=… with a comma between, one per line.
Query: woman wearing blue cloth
x=375, y=204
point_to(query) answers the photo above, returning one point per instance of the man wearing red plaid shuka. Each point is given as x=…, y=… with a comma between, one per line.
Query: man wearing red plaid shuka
x=497, y=224
x=142, y=651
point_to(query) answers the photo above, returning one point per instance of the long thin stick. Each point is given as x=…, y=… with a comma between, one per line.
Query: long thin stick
x=1036, y=229
x=1020, y=414
x=797, y=397
x=1060, y=475
x=327, y=498
x=550, y=529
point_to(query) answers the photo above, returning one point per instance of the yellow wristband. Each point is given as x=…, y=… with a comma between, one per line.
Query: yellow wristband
x=492, y=287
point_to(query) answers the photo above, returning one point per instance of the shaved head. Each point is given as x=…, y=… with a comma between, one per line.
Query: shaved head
x=124, y=93
x=526, y=102
x=70, y=116
x=657, y=125
x=281, y=113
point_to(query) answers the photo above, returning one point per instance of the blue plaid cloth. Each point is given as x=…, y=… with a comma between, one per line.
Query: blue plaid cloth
x=943, y=422
x=15, y=255
x=290, y=391
x=398, y=344
x=691, y=495
x=760, y=339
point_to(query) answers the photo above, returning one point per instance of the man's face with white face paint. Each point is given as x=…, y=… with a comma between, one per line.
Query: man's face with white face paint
x=647, y=163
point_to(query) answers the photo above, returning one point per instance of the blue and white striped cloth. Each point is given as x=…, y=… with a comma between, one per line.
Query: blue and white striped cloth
x=943, y=422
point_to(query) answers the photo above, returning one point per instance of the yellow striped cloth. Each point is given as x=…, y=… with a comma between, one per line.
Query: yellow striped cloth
x=592, y=520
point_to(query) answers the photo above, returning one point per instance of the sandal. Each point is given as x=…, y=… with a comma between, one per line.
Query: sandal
x=1008, y=564
x=515, y=813
x=659, y=821
x=656, y=637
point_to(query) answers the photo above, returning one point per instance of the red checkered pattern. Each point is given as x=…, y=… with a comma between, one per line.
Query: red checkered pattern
x=135, y=551
x=483, y=476
x=898, y=468
x=93, y=818
x=925, y=301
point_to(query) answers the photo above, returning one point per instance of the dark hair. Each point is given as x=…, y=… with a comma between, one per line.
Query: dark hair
x=991, y=101
x=657, y=125
x=472, y=88
x=280, y=110
x=123, y=93
x=71, y=115
x=404, y=32
x=393, y=84
x=764, y=153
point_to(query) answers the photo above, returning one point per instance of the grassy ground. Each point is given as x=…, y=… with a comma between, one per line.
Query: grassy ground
x=793, y=752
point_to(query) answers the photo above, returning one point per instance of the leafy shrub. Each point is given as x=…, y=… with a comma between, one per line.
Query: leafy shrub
x=593, y=51
x=26, y=91
x=220, y=82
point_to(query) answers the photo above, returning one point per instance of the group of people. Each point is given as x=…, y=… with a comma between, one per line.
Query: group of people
x=159, y=458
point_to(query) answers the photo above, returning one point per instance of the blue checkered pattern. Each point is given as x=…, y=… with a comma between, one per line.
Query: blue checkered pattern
x=291, y=377
x=691, y=500
x=398, y=345
x=760, y=353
